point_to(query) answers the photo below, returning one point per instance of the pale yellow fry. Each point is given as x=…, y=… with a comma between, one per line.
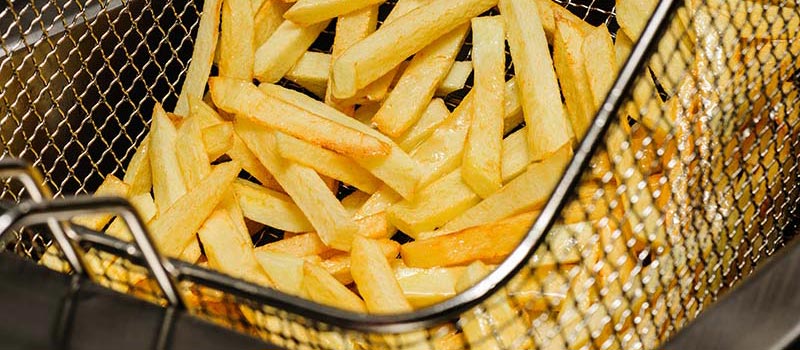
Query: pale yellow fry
x=206, y=115
x=230, y=203
x=478, y=327
x=168, y=183
x=175, y=227
x=236, y=40
x=217, y=140
x=435, y=114
x=267, y=18
x=276, y=56
x=570, y=66
x=269, y=207
x=144, y=205
x=240, y=153
x=424, y=287
x=377, y=54
x=529, y=191
x=202, y=56
x=632, y=15
x=311, y=72
x=228, y=252
x=396, y=168
x=456, y=78
x=323, y=288
x=192, y=158
x=481, y=165
x=242, y=97
x=307, y=12
x=332, y=222
x=407, y=101
x=111, y=187
x=350, y=29
x=375, y=280
x=286, y=271
x=378, y=202
x=327, y=162
x=600, y=63
x=548, y=127
x=515, y=156
x=339, y=265
x=138, y=174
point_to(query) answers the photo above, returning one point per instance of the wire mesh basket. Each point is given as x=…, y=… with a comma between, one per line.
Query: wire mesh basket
x=684, y=183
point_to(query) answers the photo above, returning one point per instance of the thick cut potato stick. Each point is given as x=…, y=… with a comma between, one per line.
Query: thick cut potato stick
x=244, y=98
x=332, y=222
x=286, y=271
x=202, y=57
x=392, y=43
x=549, y=10
x=192, y=157
x=236, y=40
x=276, y=56
x=481, y=165
x=424, y=287
x=434, y=115
x=548, y=127
x=175, y=227
x=217, y=140
x=138, y=174
x=515, y=156
x=302, y=245
x=456, y=78
x=240, y=153
x=529, y=191
x=206, y=115
x=375, y=280
x=490, y=243
x=569, y=60
x=633, y=15
x=339, y=265
x=323, y=288
x=354, y=201
x=407, y=101
x=228, y=252
x=311, y=72
x=307, y=12
x=267, y=18
x=623, y=45
x=111, y=187
x=350, y=29
x=168, y=183
x=327, y=162
x=269, y=207
x=600, y=62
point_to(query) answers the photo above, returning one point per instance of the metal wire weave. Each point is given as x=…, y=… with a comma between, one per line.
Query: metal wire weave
x=695, y=194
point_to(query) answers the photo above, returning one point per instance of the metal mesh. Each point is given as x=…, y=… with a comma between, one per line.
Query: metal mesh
x=688, y=190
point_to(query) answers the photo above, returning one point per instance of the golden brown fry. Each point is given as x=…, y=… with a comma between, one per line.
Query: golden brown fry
x=302, y=245
x=138, y=174
x=217, y=140
x=267, y=18
x=633, y=15
x=283, y=49
x=476, y=243
x=307, y=12
x=270, y=208
x=202, y=56
x=111, y=186
x=236, y=40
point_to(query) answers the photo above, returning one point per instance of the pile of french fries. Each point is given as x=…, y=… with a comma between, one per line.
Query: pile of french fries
x=241, y=151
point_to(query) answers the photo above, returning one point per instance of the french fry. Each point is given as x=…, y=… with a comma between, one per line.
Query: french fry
x=236, y=40
x=354, y=201
x=528, y=191
x=311, y=72
x=323, y=288
x=600, y=62
x=407, y=101
x=468, y=245
x=244, y=98
x=240, y=153
x=270, y=208
x=350, y=29
x=138, y=174
x=205, y=114
x=377, y=54
x=276, y=56
x=623, y=46
x=339, y=265
x=365, y=112
x=307, y=12
x=478, y=326
x=549, y=10
x=228, y=252
x=302, y=245
x=515, y=156
x=326, y=162
x=539, y=91
x=375, y=280
x=191, y=153
x=456, y=78
x=230, y=203
x=267, y=18
x=629, y=16
x=332, y=222
x=144, y=205
x=202, y=56
x=396, y=168
x=175, y=227
x=483, y=149
x=286, y=271
x=168, y=183
x=217, y=140
x=111, y=186
x=569, y=61
x=435, y=114
x=424, y=287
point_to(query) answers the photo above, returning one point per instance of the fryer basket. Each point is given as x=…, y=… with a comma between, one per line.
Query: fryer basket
x=687, y=175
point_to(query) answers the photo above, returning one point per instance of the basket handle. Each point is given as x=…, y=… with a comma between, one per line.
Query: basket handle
x=33, y=212
x=31, y=180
